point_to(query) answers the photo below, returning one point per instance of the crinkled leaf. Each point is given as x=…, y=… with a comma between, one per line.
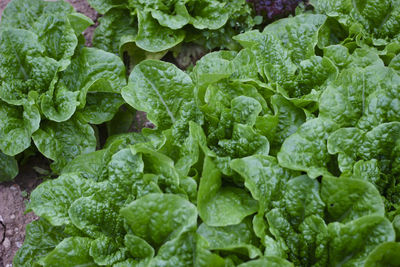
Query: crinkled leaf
x=351, y=243
x=180, y=252
x=17, y=124
x=101, y=107
x=153, y=37
x=24, y=66
x=158, y=218
x=41, y=238
x=299, y=34
x=93, y=70
x=160, y=89
x=306, y=150
x=95, y=218
x=105, y=251
x=176, y=19
x=208, y=14
x=138, y=247
x=71, y=251
x=267, y=261
x=64, y=191
x=350, y=199
x=221, y=205
x=245, y=142
x=102, y=6
x=238, y=238
x=114, y=26
x=263, y=177
x=62, y=142
x=23, y=15
x=58, y=37
x=213, y=67
x=386, y=254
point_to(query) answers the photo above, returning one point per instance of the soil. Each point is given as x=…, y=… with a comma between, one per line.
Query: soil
x=14, y=195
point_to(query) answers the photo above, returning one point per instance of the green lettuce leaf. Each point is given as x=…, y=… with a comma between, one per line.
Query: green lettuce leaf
x=238, y=238
x=62, y=142
x=72, y=250
x=306, y=150
x=158, y=218
x=41, y=238
x=154, y=37
x=17, y=125
x=386, y=254
x=8, y=167
x=351, y=243
x=160, y=89
x=350, y=199
x=221, y=205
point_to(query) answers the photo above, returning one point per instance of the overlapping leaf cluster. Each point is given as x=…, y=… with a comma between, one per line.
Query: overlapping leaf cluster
x=51, y=86
x=283, y=154
x=148, y=29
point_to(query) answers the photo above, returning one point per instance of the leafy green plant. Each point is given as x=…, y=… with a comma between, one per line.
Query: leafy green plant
x=52, y=86
x=148, y=29
x=282, y=154
x=285, y=153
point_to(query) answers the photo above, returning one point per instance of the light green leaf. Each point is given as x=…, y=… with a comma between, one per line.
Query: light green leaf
x=158, y=218
x=301, y=199
x=59, y=105
x=41, y=238
x=351, y=243
x=267, y=261
x=386, y=254
x=138, y=247
x=102, y=6
x=113, y=27
x=62, y=142
x=17, y=124
x=58, y=37
x=101, y=107
x=221, y=206
x=93, y=70
x=106, y=251
x=72, y=251
x=299, y=34
x=306, y=149
x=290, y=118
x=245, y=142
x=64, y=191
x=23, y=67
x=160, y=89
x=23, y=15
x=350, y=199
x=153, y=37
x=89, y=166
x=238, y=238
x=95, y=218
x=213, y=67
x=174, y=18
x=263, y=176
x=179, y=252
x=208, y=14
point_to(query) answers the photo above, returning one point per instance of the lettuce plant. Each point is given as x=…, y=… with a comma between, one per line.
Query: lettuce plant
x=148, y=29
x=51, y=86
x=282, y=154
